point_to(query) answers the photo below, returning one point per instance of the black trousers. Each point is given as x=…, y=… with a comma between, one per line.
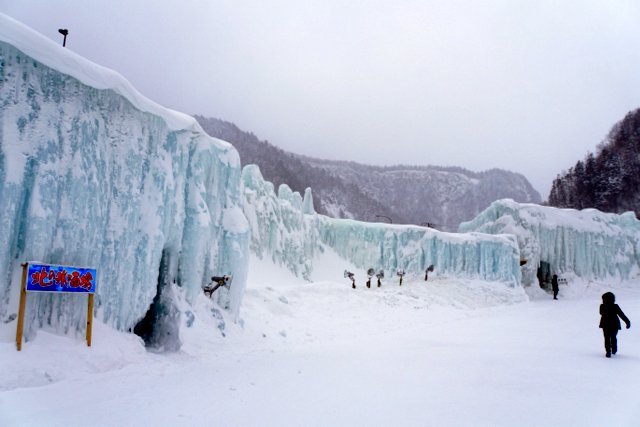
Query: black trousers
x=610, y=340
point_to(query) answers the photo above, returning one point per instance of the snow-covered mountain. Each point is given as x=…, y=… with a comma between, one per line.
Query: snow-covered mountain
x=441, y=196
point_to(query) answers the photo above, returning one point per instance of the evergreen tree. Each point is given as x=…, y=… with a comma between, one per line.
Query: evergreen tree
x=609, y=180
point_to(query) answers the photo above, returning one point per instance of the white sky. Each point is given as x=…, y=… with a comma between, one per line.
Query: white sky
x=528, y=86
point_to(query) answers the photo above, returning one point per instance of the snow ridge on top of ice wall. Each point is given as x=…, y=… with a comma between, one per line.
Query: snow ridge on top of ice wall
x=92, y=177
x=587, y=243
x=65, y=61
x=285, y=228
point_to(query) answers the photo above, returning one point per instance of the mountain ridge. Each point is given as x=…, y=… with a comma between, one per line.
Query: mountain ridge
x=438, y=196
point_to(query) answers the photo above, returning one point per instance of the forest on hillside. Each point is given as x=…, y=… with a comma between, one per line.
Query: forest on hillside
x=608, y=180
x=440, y=197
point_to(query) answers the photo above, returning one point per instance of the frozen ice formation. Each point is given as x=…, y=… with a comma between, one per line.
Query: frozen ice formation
x=281, y=227
x=589, y=244
x=94, y=174
x=414, y=249
x=285, y=228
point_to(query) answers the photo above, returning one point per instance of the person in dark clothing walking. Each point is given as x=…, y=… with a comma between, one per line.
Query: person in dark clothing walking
x=610, y=315
x=554, y=286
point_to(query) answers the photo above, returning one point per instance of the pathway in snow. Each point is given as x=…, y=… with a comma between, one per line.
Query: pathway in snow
x=321, y=354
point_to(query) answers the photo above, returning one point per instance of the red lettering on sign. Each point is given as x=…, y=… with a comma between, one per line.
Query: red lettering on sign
x=74, y=279
x=40, y=278
x=86, y=280
x=61, y=278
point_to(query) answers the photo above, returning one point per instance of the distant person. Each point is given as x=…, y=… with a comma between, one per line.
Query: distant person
x=610, y=315
x=554, y=286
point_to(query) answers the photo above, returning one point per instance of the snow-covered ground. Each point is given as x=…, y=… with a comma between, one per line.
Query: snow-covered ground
x=445, y=353
x=450, y=351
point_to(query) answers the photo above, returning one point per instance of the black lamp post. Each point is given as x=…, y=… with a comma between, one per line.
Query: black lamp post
x=65, y=33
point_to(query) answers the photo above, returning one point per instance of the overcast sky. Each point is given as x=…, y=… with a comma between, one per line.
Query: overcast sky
x=528, y=86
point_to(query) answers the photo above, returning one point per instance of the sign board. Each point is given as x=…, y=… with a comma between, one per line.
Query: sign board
x=39, y=277
x=60, y=278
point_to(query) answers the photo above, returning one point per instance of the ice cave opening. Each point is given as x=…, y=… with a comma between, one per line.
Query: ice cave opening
x=544, y=274
x=159, y=328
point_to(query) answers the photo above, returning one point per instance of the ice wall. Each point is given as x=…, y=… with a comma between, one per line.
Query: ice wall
x=588, y=243
x=413, y=248
x=286, y=229
x=283, y=227
x=94, y=174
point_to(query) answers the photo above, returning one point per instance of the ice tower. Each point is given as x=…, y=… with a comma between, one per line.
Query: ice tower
x=92, y=173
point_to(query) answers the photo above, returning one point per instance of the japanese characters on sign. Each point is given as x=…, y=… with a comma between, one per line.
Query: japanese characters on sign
x=60, y=278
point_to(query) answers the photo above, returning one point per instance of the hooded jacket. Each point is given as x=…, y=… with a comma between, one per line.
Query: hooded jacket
x=610, y=313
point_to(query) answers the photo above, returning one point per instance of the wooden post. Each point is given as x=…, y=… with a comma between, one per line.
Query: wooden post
x=23, y=302
x=89, y=319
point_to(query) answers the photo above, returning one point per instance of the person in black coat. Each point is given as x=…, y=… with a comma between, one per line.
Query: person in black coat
x=610, y=315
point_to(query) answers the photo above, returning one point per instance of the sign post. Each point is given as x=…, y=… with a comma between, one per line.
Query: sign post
x=39, y=277
x=89, y=319
x=23, y=303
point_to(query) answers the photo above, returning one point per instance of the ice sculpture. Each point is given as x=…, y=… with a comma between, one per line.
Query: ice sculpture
x=413, y=248
x=589, y=244
x=292, y=234
x=94, y=174
x=280, y=226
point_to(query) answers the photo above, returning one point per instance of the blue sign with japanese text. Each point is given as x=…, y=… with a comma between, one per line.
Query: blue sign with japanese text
x=61, y=278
